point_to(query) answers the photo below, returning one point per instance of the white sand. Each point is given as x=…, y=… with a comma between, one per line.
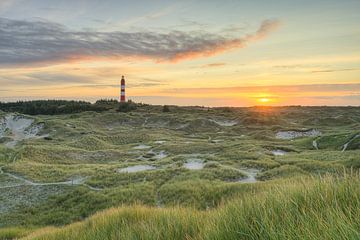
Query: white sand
x=18, y=128
x=142, y=146
x=160, y=155
x=347, y=144
x=315, y=145
x=296, y=134
x=279, y=152
x=251, y=173
x=137, y=168
x=194, y=164
x=224, y=123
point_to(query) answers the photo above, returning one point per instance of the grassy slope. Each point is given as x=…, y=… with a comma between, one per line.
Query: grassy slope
x=308, y=209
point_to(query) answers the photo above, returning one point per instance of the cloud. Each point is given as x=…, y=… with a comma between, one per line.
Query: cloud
x=151, y=16
x=211, y=65
x=40, y=80
x=336, y=70
x=265, y=29
x=40, y=42
x=346, y=97
x=58, y=78
x=44, y=79
x=6, y=4
x=281, y=89
x=131, y=85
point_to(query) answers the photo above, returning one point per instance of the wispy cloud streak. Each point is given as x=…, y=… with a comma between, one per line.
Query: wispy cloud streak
x=281, y=89
x=25, y=42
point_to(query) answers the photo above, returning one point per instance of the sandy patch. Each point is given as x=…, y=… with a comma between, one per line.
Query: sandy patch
x=182, y=126
x=347, y=144
x=224, y=123
x=278, y=152
x=194, y=164
x=160, y=155
x=297, y=134
x=152, y=155
x=251, y=175
x=315, y=144
x=142, y=146
x=19, y=128
x=137, y=168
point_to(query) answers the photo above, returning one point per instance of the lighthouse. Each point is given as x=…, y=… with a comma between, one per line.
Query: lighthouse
x=122, y=90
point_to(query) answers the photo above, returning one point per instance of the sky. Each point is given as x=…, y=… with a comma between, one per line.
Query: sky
x=189, y=52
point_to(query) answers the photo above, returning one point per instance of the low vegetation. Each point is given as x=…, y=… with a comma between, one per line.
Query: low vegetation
x=327, y=208
x=127, y=106
x=222, y=173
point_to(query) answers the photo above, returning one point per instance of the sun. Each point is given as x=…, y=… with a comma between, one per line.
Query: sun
x=264, y=100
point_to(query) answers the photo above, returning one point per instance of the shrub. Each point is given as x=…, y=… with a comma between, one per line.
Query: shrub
x=166, y=108
x=127, y=106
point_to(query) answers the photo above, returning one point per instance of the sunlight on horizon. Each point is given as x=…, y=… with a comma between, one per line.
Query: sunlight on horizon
x=264, y=100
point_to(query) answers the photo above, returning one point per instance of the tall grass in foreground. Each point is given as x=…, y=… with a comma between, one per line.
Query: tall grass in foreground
x=13, y=233
x=328, y=208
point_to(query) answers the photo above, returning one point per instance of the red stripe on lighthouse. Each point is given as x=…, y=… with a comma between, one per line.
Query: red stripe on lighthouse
x=122, y=91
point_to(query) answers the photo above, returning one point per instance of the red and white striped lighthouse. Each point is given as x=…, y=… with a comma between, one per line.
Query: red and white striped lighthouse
x=122, y=91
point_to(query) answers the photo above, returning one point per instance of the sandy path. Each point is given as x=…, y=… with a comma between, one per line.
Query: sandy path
x=145, y=122
x=315, y=144
x=26, y=182
x=347, y=144
x=250, y=172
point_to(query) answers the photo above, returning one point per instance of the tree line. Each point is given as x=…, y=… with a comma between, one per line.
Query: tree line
x=57, y=107
x=54, y=107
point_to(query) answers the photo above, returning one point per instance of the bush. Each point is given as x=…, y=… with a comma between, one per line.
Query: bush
x=107, y=103
x=166, y=108
x=127, y=106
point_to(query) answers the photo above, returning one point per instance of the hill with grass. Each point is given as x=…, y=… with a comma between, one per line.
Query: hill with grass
x=155, y=172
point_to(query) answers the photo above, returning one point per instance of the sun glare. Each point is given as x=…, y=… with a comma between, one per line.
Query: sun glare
x=264, y=100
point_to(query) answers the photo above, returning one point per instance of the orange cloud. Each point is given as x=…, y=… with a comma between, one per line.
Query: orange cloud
x=42, y=42
x=223, y=45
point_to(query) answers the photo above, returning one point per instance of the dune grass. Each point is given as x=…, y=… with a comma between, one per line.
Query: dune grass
x=14, y=233
x=94, y=146
x=326, y=208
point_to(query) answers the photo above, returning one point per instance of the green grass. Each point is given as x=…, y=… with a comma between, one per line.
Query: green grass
x=327, y=208
x=95, y=146
x=14, y=233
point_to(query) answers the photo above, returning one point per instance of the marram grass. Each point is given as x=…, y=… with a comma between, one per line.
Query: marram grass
x=326, y=208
